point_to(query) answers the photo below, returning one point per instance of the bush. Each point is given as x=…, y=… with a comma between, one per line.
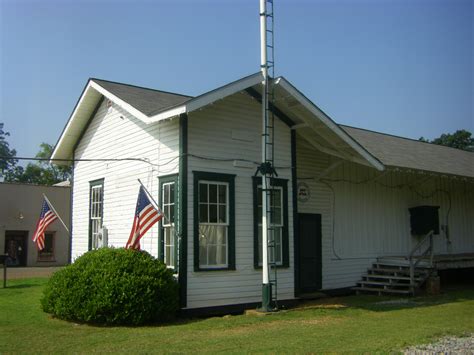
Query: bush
x=112, y=286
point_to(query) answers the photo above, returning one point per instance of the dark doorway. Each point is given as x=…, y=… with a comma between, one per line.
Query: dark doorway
x=16, y=243
x=310, y=253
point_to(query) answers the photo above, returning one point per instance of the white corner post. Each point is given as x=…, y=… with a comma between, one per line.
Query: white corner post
x=266, y=286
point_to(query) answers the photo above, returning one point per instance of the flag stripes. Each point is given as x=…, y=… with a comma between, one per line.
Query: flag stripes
x=146, y=215
x=47, y=217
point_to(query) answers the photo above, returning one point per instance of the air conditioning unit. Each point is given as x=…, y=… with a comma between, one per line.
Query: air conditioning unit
x=103, y=237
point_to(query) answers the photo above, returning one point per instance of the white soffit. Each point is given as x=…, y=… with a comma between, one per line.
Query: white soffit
x=76, y=123
x=328, y=122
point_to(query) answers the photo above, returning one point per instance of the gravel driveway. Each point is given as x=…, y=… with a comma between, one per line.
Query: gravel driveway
x=446, y=345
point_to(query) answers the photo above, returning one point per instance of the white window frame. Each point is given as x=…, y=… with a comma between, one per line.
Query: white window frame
x=96, y=212
x=226, y=224
x=168, y=225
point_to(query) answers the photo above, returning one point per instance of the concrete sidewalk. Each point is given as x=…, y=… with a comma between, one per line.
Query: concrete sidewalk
x=14, y=273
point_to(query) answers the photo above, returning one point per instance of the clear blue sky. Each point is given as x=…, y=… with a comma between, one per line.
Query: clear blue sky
x=403, y=67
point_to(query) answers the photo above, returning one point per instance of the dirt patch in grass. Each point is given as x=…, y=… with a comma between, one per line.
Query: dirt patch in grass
x=276, y=325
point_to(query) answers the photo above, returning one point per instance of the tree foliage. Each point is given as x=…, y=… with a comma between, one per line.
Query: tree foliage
x=461, y=139
x=41, y=172
x=7, y=161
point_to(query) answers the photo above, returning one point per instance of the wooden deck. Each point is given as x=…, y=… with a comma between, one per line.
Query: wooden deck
x=443, y=261
x=453, y=261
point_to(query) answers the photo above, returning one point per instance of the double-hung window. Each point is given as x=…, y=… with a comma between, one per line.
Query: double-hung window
x=168, y=195
x=278, y=226
x=96, y=210
x=214, y=209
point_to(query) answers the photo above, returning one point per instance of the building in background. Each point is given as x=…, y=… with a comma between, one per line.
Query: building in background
x=20, y=207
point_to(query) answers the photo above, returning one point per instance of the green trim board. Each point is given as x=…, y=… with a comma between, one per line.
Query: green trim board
x=171, y=178
x=294, y=195
x=283, y=183
x=183, y=210
x=217, y=177
x=280, y=114
x=91, y=185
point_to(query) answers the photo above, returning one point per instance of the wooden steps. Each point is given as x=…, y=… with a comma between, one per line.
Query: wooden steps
x=391, y=275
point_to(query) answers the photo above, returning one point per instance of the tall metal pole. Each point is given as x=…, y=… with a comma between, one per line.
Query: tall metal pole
x=266, y=287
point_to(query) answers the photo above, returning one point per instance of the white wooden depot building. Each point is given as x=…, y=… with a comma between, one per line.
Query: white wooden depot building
x=342, y=195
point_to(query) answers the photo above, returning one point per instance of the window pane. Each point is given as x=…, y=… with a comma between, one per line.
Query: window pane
x=259, y=196
x=276, y=198
x=212, y=250
x=222, y=194
x=222, y=214
x=171, y=193
x=202, y=192
x=276, y=215
x=213, y=213
x=212, y=193
x=202, y=253
x=171, y=214
x=278, y=246
x=203, y=217
x=166, y=193
x=168, y=255
x=222, y=255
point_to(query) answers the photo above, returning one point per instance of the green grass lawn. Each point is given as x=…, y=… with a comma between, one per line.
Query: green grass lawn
x=354, y=323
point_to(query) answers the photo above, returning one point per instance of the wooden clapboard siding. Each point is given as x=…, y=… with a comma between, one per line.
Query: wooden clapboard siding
x=211, y=133
x=113, y=133
x=371, y=219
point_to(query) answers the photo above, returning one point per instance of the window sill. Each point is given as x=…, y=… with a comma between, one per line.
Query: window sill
x=259, y=267
x=52, y=260
x=228, y=268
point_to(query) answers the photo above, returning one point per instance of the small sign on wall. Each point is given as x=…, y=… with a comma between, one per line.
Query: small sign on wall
x=303, y=191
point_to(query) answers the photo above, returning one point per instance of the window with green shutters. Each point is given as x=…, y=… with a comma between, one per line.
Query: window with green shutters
x=214, y=221
x=168, y=197
x=96, y=212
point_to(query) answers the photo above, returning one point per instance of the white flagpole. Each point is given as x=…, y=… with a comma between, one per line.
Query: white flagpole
x=153, y=201
x=57, y=214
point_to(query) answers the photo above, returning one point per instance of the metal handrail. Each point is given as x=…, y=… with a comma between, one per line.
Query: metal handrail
x=412, y=256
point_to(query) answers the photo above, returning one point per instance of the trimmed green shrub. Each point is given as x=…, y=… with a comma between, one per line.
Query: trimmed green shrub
x=113, y=286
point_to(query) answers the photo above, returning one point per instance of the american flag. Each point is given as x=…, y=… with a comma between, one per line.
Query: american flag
x=47, y=217
x=146, y=215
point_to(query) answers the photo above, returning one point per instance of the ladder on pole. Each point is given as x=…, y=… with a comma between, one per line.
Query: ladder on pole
x=267, y=169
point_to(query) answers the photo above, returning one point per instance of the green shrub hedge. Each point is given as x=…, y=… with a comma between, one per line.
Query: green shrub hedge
x=113, y=286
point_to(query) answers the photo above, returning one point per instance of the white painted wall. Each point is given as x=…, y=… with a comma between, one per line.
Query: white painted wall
x=113, y=133
x=231, y=129
x=25, y=199
x=361, y=221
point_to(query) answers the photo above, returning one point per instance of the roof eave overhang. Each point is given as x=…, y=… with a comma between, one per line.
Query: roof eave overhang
x=366, y=157
x=73, y=130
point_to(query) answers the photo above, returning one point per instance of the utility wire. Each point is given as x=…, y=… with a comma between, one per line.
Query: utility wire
x=144, y=160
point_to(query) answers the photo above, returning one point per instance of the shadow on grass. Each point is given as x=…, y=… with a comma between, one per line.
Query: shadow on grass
x=374, y=303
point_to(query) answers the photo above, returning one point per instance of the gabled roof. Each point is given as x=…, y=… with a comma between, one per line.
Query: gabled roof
x=412, y=154
x=295, y=109
x=152, y=106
